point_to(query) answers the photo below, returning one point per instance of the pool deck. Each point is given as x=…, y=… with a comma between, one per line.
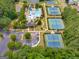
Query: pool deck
x=45, y=13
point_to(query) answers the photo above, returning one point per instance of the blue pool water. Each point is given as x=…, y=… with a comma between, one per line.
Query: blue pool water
x=53, y=11
x=55, y=24
x=51, y=2
x=36, y=12
x=54, y=40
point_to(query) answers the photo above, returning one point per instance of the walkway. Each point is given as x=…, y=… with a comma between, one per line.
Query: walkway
x=54, y=16
x=45, y=13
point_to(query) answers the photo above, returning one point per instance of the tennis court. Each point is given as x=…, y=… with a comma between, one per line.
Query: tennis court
x=53, y=10
x=54, y=40
x=55, y=24
x=53, y=37
x=54, y=44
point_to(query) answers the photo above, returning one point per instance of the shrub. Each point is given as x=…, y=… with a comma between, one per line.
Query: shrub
x=13, y=37
x=18, y=45
x=11, y=45
x=27, y=35
x=1, y=35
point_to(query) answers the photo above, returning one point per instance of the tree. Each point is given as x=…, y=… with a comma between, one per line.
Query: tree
x=66, y=12
x=27, y=35
x=38, y=22
x=13, y=37
x=9, y=54
x=47, y=53
x=12, y=15
x=71, y=21
x=25, y=4
x=16, y=0
x=24, y=1
x=42, y=0
x=22, y=14
x=37, y=6
x=1, y=35
x=67, y=1
x=4, y=22
x=8, y=8
x=19, y=24
x=22, y=24
x=7, y=13
x=11, y=45
x=14, y=45
x=18, y=45
x=1, y=12
x=14, y=24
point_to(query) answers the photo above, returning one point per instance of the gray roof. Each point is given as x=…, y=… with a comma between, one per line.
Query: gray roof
x=33, y=1
x=30, y=24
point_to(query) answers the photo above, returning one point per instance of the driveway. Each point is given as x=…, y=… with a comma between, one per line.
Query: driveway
x=3, y=45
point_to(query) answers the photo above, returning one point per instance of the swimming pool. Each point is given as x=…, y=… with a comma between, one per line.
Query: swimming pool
x=33, y=14
x=53, y=11
x=53, y=40
x=56, y=24
x=36, y=12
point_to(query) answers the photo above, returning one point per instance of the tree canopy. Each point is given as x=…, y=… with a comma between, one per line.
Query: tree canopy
x=71, y=21
x=7, y=13
x=43, y=53
x=4, y=21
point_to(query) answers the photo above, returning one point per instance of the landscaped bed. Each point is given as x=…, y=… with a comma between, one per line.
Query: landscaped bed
x=7, y=38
